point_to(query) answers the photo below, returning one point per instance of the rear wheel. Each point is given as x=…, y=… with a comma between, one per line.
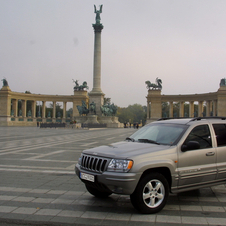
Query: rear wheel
x=97, y=193
x=151, y=193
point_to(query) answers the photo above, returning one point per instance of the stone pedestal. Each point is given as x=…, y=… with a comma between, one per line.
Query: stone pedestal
x=80, y=119
x=98, y=99
x=105, y=119
x=92, y=119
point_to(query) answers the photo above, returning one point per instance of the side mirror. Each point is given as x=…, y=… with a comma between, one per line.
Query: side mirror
x=191, y=145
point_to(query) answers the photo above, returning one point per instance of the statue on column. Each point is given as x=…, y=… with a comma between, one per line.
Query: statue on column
x=223, y=82
x=157, y=85
x=5, y=83
x=98, y=12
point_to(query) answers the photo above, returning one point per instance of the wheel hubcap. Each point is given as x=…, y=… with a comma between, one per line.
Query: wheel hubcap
x=153, y=193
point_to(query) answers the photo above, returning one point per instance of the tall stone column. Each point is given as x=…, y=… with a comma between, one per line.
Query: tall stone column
x=96, y=95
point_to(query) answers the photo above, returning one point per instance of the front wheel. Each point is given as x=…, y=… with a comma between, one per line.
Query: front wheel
x=97, y=193
x=151, y=193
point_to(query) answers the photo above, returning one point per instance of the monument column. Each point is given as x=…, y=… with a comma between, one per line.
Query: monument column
x=96, y=95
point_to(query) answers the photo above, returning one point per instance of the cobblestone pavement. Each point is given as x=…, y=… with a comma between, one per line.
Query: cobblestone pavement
x=38, y=184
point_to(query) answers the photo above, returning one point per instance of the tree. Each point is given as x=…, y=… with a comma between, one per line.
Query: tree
x=133, y=114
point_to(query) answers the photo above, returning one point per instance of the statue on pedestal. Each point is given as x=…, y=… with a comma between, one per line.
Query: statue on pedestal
x=78, y=87
x=83, y=110
x=157, y=85
x=92, y=108
x=223, y=82
x=5, y=83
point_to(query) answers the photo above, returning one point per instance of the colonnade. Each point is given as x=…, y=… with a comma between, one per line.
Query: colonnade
x=214, y=104
x=24, y=111
x=13, y=115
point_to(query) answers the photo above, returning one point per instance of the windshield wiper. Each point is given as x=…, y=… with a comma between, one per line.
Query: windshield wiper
x=148, y=141
x=130, y=139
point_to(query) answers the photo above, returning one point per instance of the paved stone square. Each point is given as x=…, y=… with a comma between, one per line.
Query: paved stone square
x=38, y=184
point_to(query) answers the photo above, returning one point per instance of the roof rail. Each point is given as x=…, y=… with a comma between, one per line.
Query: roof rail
x=161, y=119
x=211, y=117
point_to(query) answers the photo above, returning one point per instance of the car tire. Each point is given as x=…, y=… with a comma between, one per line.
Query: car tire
x=97, y=193
x=151, y=193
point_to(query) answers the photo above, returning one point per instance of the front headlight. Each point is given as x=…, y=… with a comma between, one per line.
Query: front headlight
x=80, y=160
x=120, y=165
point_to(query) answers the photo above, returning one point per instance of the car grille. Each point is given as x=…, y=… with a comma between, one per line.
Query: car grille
x=91, y=163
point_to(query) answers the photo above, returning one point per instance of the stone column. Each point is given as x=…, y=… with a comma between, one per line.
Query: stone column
x=43, y=109
x=148, y=110
x=54, y=109
x=208, y=108
x=191, y=109
x=200, y=109
x=15, y=107
x=64, y=110
x=181, y=109
x=24, y=108
x=33, y=109
x=171, y=110
x=96, y=95
x=215, y=113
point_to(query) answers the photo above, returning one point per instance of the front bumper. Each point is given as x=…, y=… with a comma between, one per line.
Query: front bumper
x=119, y=183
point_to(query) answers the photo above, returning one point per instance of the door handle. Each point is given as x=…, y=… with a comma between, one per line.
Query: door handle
x=210, y=153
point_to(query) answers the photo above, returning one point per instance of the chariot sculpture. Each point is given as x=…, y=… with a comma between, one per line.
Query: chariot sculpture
x=78, y=87
x=156, y=85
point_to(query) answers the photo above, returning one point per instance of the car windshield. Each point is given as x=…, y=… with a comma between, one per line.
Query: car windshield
x=166, y=134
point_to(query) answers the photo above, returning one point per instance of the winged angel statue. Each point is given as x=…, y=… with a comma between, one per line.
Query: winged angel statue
x=98, y=12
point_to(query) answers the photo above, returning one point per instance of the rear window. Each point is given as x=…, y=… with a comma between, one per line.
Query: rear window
x=220, y=132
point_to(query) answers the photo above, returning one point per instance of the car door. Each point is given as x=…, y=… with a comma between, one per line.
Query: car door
x=220, y=134
x=197, y=167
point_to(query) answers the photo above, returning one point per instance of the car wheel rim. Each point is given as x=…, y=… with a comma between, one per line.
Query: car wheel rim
x=153, y=193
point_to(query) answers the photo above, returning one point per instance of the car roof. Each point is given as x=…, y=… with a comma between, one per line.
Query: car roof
x=190, y=120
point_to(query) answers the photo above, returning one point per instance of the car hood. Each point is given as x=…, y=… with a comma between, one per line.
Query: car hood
x=125, y=149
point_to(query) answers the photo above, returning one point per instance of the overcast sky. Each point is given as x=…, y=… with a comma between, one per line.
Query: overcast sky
x=44, y=44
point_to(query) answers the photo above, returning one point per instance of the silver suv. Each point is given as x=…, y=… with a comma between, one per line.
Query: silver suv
x=173, y=155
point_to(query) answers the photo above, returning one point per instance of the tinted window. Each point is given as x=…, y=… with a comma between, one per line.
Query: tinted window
x=200, y=134
x=220, y=131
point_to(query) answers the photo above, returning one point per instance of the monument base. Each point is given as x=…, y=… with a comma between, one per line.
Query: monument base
x=91, y=119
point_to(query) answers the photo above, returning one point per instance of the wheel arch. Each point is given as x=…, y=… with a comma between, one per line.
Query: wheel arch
x=162, y=170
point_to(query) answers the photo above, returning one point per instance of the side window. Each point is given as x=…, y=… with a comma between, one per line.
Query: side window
x=220, y=132
x=202, y=135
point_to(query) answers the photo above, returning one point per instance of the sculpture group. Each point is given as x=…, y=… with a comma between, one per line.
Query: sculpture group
x=106, y=110
x=156, y=85
x=78, y=87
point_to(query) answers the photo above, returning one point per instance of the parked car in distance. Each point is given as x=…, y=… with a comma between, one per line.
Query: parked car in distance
x=166, y=156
